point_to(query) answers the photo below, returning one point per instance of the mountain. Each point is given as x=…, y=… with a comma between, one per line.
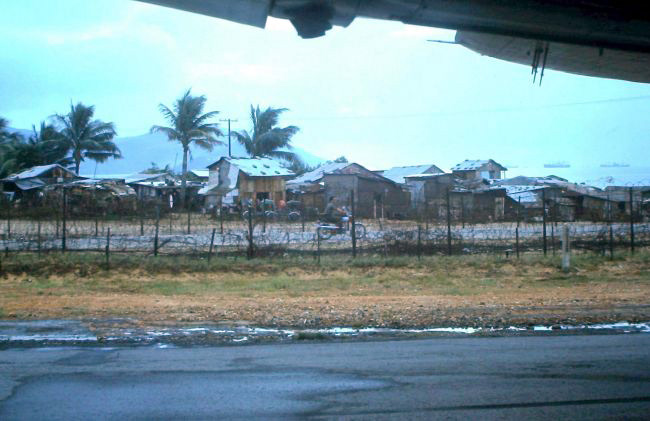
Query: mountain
x=140, y=151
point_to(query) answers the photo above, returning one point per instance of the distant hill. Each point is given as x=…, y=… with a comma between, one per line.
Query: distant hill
x=140, y=151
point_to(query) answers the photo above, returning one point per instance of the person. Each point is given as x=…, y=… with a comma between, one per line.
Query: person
x=332, y=213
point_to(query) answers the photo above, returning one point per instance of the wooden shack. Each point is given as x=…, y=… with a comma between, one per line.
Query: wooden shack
x=247, y=180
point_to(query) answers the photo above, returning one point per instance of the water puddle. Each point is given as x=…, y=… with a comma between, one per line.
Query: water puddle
x=64, y=333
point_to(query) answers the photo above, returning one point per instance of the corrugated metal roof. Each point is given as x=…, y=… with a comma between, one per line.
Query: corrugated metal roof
x=397, y=174
x=201, y=173
x=469, y=165
x=474, y=164
x=317, y=174
x=426, y=176
x=36, y=172
x=29, y=184
x=259, y=167
x=136, y=178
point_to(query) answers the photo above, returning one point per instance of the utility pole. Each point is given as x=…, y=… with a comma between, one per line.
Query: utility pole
x=229, y=120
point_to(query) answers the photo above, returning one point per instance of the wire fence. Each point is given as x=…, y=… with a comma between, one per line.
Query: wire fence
x=151, y=229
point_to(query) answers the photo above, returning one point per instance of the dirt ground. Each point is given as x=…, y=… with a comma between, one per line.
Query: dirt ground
x=485, y=293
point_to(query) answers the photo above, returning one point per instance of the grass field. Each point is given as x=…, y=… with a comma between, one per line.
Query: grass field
x=288, y=291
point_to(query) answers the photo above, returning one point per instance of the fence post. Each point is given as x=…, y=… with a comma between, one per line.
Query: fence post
x=462, y=210
x=263, y=219
x=214, y=230
x=566, y=249
x=189, y=214
x=419, y=242
x=448, y=223
x=64, y=220
x=318, y=245
x=426, y=214
x=611, y=242
x=155, y=238
x=553, y=237
x=517, y=228
x=108, y=248
x=221, y=219
x=544, y=220
x=354, y=231
x=302, y=215
x=631, y=221
x=249, y=253
x=96, y=226
x=38, y=236
x=141, y=217
x=171, y=220
x=8, y=220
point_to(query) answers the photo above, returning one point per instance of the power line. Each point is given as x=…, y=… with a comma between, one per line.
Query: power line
x=229, y=120
x=478, y=111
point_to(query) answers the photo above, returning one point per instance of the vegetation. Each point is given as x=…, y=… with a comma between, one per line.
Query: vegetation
x=373, y=291
x=43, y=147
x=83, y=137
x=298, y=167
x=189, y=125
x=265, y=139
x=155, y=169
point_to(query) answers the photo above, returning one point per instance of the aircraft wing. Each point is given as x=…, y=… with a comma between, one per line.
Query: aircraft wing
x=604, y=38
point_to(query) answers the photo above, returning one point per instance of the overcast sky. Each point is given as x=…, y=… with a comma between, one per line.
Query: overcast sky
x=376, y=92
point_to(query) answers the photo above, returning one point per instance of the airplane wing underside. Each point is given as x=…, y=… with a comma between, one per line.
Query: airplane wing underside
x=602, y=38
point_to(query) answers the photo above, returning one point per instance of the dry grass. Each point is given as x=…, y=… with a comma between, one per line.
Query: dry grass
x=371, y=291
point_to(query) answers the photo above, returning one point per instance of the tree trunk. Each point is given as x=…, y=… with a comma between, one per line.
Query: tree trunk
x=77, y=161
x=184, y=177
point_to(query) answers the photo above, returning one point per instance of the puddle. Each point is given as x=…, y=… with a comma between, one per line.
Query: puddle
x=67, y=333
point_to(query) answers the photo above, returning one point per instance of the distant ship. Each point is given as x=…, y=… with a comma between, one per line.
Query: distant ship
x=614, y=165
x=561, y=164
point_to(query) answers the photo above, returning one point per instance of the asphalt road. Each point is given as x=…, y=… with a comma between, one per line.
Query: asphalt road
x=521, y=377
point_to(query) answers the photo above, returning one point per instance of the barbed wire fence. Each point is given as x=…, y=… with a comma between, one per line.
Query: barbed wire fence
x=151, y=229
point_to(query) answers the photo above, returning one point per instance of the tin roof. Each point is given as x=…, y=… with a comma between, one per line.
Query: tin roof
x=137, y=178
x=397, y=174
x=201, y=173
x=474, y=164
x=318, y=173
x=36, y=172
x=258, y=167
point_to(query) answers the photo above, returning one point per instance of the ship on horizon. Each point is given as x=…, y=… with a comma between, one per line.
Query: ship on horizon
x=614, y=165
x=559, y=164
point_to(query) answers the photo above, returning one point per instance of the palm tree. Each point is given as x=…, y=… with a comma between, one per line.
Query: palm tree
x=189, y=125
x=266, y=140
x=43, y=147
x=84, y=137
x=6, y=135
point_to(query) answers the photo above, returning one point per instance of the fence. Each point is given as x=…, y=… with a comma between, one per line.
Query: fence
x=150, y=229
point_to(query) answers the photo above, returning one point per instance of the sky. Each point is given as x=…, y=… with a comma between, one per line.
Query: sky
x=376, y=92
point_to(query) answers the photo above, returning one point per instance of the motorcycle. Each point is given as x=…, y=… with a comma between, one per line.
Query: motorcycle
x=326, y=230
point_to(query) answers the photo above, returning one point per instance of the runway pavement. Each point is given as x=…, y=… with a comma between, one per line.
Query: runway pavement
x=510, y=377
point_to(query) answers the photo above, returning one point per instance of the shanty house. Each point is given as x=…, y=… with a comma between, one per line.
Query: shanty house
x=471, y=169
x=375, y=195
x=309, y=188
x=24, y=184
x=399, y=174
x=246, y=180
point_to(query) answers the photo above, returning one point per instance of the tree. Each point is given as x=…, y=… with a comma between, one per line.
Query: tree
x=298, y=167
x=5, y=134
x=189, y=125
x=266, y=140
x=341, y=160
x=43, y=147
x=155, y=169
x=84, y=137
